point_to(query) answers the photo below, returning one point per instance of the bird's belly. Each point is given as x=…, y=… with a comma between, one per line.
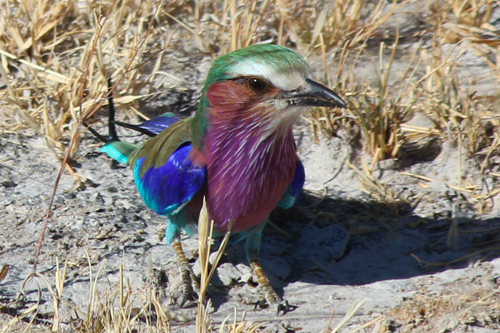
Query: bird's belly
x=246, y=201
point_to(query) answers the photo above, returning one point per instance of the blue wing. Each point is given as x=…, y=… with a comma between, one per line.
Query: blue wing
x=153, y=126
x=293, y=190
x=166, y=189
x=158, y=124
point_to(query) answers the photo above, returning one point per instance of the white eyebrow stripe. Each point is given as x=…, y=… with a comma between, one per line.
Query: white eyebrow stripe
x=290, y=79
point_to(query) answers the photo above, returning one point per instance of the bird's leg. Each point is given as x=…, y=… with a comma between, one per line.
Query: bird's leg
x=252, y=251
x=194, y=281
x=269, y=293
x=173, y=235
x=187, y=275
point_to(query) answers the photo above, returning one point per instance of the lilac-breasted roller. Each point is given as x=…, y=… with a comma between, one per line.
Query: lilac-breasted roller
x=238, y=151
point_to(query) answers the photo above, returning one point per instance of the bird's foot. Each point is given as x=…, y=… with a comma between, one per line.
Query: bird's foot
x=190, y=289
x=281, y=306
x=260, y=303
x=188, y=300
x=285, y=307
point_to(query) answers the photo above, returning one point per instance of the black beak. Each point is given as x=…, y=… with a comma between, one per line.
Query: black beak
x=314, y=94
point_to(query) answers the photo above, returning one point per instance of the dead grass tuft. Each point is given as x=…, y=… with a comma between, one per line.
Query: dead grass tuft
x=111, y=306
x=467, y=304
x=56, y=57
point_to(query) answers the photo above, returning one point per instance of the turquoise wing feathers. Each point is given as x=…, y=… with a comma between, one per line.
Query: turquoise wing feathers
x=119, y=150
x=293, y=190
x=165, y=186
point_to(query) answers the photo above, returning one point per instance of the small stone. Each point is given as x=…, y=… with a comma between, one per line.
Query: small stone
x=387, y=164
x=246, y=277
x=227, y=273
x=277, y=267
x=8, y=184
x=212, y=258
x=244, y=269
x=438, y=186
x=196, y=267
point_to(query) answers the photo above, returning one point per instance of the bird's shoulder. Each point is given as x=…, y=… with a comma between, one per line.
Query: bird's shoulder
x=157, y=150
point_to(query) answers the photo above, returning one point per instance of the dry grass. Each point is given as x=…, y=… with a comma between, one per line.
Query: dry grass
x=435, y=82
x=205, y=232
x=57, y=58
x=451, y=102
x=466, y=303
x=111, y=307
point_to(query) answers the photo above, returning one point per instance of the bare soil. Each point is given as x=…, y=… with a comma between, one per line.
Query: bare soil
x=334, y=248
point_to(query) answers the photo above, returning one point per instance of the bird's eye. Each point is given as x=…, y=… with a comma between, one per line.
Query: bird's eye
x=257, y=85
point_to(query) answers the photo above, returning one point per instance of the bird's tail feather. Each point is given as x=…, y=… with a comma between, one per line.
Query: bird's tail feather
x=112, y=135
x=121, y=150
x=118, y=150
x=114, y=148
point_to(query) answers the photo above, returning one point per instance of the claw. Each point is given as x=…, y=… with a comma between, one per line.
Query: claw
x=285, y=307
x=261, y=303
x=190, y=295
x=187, y=301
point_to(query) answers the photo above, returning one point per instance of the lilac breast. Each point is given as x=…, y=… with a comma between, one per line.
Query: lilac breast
x=247, y=174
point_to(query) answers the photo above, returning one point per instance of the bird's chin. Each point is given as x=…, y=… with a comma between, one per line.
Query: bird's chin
x=284, y=109
x=279, y=116
x=285, y=119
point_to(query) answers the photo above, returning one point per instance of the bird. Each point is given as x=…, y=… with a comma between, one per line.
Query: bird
x=237, y=152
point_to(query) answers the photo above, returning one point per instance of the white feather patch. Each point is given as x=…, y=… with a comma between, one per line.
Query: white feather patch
x=285, y=79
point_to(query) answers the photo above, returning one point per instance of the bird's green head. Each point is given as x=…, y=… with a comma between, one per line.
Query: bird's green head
x=266, y=79
x=278, y=65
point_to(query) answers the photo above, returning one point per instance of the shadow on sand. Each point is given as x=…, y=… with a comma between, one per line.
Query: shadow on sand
x=383, y=243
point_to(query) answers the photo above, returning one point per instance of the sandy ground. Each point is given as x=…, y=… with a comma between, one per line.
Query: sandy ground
x=337, y=247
